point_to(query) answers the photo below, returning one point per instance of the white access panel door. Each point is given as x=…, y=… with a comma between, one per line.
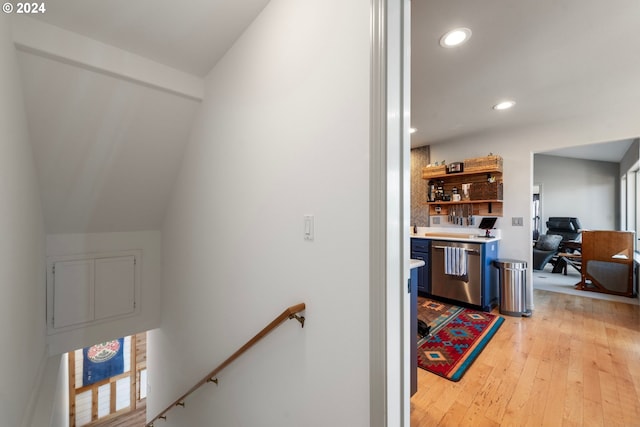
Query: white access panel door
x=114, y=286
x=73, y=293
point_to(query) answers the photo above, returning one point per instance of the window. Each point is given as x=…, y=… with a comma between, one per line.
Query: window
x=637, y=203
x=107, y=380
x=630, y=209
x=623, y=202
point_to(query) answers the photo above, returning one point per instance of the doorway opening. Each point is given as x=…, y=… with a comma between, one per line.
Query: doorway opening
x=108, y=380
x=537, y=212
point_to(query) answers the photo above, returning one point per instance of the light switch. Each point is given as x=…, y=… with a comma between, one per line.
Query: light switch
x=308, y=227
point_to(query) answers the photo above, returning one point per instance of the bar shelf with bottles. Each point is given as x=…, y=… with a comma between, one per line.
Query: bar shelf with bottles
x=479, y=191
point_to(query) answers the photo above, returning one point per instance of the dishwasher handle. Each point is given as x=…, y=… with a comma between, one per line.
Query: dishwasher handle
x=469, y=251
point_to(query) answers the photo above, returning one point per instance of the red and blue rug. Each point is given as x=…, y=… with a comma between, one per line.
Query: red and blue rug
x=458, y=335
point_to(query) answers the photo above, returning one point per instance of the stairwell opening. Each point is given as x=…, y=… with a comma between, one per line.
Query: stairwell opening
x=108, y=383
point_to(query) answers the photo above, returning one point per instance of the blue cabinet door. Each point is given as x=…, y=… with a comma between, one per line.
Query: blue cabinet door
x=422, y=274
x=489, y=276
x=420, y=250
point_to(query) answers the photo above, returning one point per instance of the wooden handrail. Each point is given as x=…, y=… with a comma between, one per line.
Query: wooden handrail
x=289, y=313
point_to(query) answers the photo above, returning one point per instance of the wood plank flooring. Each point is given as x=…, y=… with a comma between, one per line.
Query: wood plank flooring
x=575, y=362
x=135, y=418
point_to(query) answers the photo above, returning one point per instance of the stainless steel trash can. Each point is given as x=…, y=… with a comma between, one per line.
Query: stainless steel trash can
x=512, y=279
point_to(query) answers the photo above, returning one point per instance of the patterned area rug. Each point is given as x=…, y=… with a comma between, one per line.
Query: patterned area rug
x=458, y=335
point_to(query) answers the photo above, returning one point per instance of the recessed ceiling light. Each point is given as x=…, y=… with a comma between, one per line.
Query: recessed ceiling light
x=455, y=37
x=413, y=130
x=504, y=105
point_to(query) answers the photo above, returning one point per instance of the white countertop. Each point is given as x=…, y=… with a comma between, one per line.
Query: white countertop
x=470, y=238
x=455, y=234
x=415, y=263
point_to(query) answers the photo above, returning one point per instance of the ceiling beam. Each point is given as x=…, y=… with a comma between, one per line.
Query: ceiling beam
x=37, y=37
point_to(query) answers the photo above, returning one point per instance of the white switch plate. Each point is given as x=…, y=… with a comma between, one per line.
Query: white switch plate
x=308, y=227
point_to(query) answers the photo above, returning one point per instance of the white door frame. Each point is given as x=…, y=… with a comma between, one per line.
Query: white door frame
x=389, y=214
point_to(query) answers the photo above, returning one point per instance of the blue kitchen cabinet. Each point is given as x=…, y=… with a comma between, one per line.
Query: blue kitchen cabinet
x=420, y=250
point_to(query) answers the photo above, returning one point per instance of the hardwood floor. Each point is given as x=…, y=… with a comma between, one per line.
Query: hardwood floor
x=136, y=418
x=575, y=362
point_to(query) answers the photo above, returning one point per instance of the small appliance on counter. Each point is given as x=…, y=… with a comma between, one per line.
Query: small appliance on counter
x=487, y=224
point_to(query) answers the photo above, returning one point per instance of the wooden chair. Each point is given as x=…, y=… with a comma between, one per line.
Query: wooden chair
x=607, y=262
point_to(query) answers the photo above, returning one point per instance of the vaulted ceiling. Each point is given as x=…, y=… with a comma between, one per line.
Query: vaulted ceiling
x=111, y=91
x=190, y=36
x=107, y=150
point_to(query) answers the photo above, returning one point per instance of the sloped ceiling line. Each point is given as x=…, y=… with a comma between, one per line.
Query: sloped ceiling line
x=51, y=42
x=108, y=129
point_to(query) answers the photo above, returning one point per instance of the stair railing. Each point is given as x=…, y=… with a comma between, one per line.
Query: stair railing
x=289, y=313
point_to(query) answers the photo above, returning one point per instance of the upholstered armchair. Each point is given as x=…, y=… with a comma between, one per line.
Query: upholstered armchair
x=545, y=248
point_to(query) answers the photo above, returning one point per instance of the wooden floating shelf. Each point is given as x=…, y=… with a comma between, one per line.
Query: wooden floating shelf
x=478, y=179
x=462, y=202
x=495, y=170
x=480, y=207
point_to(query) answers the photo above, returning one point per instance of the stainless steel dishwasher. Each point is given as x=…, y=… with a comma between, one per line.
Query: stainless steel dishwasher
x=467, y=288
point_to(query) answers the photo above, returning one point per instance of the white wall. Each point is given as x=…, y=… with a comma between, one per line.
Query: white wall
x=52, y=408
x=149, y=242
x=630, y=157
x=586, y=189
x=283, y=132
x=22, y=259
x=60, y=413
x=517, y=147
